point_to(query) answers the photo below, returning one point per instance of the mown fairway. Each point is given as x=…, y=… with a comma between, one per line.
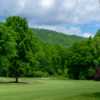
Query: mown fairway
x=47, y=89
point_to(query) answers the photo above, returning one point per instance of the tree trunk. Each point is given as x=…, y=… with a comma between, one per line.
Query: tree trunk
x=16, y=81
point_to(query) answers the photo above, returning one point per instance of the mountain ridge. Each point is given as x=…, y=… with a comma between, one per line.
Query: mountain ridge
x=57, y=38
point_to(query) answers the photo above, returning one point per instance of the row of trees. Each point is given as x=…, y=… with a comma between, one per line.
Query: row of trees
x=84, y=60
x=24, y=54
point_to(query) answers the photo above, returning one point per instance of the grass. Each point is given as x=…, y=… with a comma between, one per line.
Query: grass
x=48, y=89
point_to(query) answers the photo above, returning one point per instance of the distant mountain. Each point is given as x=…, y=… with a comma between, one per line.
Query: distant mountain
x=57, y=38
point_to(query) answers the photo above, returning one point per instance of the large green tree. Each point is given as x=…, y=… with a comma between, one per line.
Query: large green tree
x=26, y=45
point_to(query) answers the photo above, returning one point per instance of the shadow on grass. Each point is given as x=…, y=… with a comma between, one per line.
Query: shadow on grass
x=92, y=96
x=97, y=94
x=13, y=82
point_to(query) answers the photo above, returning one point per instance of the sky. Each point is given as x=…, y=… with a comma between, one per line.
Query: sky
x=73, y=17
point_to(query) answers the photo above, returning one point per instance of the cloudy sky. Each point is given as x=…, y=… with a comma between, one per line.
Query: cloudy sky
x=79, y=17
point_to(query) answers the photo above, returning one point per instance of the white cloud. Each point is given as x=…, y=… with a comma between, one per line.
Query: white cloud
x=66, y=11
x=47, y=4
x=53, y=12
x=22, y=3
x=87, y=34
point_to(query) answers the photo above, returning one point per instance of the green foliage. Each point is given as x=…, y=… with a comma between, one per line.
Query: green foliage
x=7, y=47
x=84, y=59
x=56, y=38
x=40, y=74
x=17, y=23
x=97, y=34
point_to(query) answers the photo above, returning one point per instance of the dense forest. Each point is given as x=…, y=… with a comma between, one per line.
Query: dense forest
x=26, y=52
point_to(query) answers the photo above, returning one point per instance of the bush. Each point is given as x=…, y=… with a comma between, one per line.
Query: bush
x=40, y=74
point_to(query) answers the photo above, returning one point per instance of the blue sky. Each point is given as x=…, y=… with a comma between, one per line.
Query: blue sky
x=78, y=17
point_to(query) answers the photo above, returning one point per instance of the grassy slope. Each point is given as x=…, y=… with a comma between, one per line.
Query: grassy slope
x=56, y=38
x=47, y=89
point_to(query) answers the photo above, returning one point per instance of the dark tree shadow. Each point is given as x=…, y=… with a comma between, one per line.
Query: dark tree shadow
x=12, y=82
x=96, y=95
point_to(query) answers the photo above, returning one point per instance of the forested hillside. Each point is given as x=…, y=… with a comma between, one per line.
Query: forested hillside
x=56, y=38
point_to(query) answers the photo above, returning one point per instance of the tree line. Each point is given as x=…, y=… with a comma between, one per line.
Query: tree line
x=23, y=54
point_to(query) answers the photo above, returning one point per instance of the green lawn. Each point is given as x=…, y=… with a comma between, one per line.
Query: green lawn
x=48, y=89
